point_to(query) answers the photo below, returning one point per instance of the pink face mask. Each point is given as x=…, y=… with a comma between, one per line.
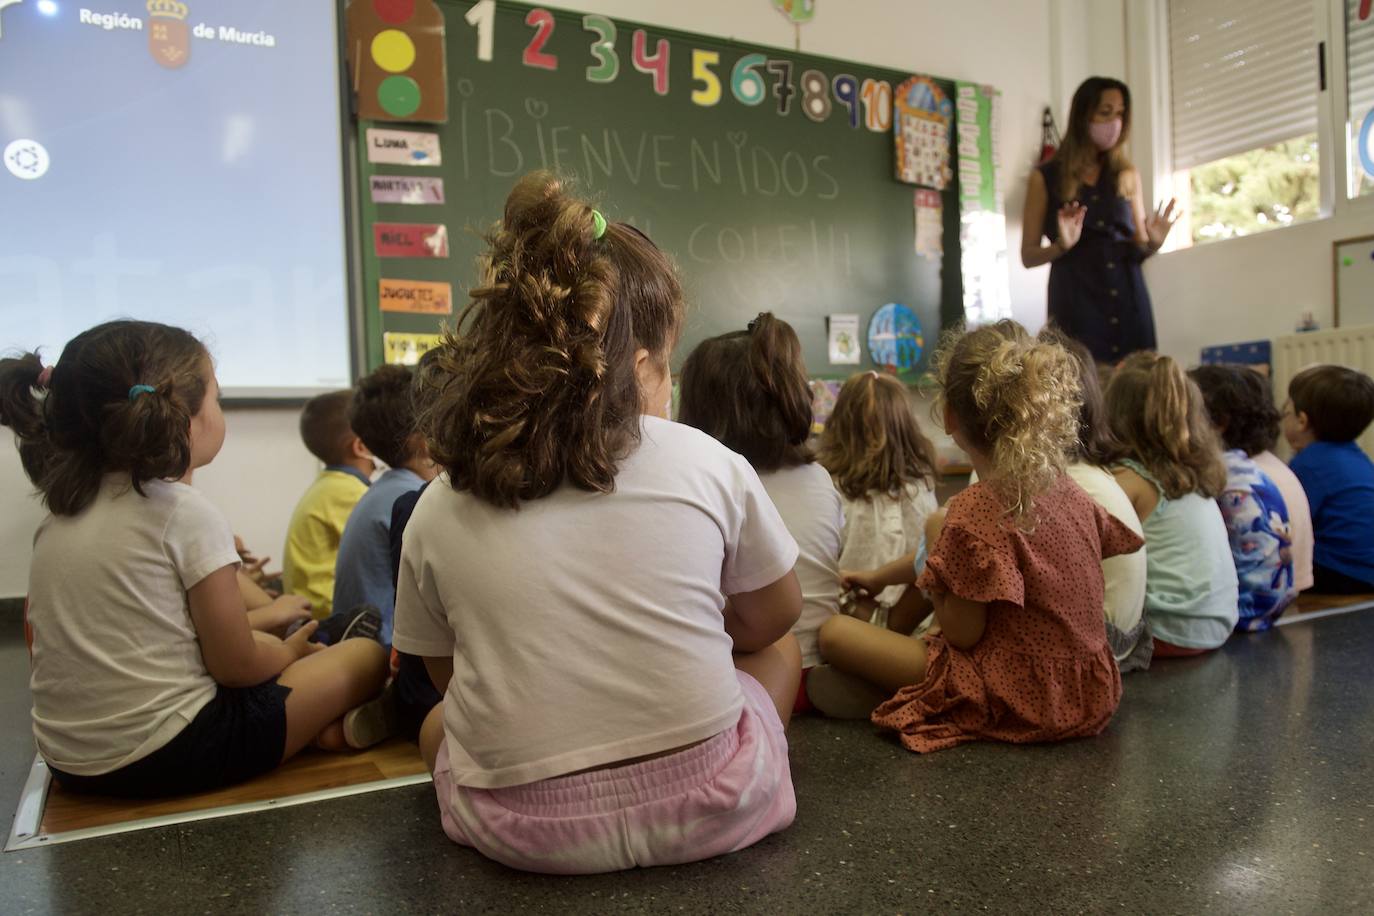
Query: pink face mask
x=1105, y=133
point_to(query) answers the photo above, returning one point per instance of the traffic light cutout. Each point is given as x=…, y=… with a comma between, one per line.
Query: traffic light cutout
x=396, y=57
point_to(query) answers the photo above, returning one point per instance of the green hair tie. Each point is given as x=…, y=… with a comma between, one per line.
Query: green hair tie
x=136, y=390
x=598, y=224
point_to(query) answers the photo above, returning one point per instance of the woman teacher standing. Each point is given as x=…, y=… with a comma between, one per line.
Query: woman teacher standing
x=1088, y=202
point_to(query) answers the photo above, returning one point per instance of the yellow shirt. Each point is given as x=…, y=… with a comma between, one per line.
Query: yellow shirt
x=312, y=539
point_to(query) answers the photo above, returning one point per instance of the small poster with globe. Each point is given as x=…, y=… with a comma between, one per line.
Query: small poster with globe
x=895, y=341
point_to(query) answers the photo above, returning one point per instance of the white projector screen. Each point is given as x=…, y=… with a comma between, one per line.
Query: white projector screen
x=178, y=162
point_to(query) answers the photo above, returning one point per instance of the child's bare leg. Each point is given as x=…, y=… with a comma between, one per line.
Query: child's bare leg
x=906, y=615
x=778, y=669
x=863, y=608
x=432, y=736
x=886, y=659
x=326, y=685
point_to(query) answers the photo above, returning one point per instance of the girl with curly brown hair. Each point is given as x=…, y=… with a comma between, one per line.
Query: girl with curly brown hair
x=146, y=677
x=1014, y=567
x=602, y=596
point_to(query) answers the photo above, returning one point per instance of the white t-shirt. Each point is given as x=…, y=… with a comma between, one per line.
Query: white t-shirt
x=879, y=529
x=586, y=628
x=117, y=671
x=810, y=507
x=1123, y=575
x=1299, y=514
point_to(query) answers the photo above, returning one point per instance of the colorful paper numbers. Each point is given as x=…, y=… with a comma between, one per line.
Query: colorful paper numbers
x=753, y=79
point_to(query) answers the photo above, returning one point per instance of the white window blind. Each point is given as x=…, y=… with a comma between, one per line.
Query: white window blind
x=1244, y=75
x=1359, y=56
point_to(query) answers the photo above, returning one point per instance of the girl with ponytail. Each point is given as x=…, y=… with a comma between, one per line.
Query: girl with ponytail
x=1014, y=567
x=146, y=677
x=749, y=390
x=1173, y=473
x=601, y=596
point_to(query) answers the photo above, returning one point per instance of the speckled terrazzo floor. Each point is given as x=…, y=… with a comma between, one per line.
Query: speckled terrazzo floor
x=1236, y=783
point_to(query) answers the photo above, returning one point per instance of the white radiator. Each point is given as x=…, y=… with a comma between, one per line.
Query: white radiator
x=1351, y=347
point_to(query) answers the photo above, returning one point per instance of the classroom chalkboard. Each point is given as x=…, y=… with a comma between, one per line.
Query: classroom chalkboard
x=769, y=177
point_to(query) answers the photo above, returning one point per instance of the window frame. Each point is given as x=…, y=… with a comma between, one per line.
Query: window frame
x=1148, y=65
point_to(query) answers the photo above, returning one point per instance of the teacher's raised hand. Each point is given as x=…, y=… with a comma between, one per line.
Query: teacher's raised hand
x=1158, y=224
x=1071, y=224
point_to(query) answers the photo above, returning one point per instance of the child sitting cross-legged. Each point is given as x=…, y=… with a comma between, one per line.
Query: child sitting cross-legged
x=602, y=596
x=884, y=469
x=749, y=390
x=1013, y=567
x=147, y=679
x=317, y=524
x=1173, y=473
x=1254, y=507
x=1328, y=408
x=383, y=416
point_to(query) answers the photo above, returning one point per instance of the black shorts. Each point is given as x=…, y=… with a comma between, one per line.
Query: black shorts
x=239, y=734
x=415, y=693
x=1326, y=581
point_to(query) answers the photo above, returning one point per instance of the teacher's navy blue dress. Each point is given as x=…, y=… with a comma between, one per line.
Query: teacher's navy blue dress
x=1097, y=293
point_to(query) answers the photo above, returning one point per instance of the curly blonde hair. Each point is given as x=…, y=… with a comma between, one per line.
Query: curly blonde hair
x=871, y=443
x=1017, y=400
x=539, y=384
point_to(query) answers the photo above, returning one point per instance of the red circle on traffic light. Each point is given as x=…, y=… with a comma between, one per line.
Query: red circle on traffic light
x=394, y=11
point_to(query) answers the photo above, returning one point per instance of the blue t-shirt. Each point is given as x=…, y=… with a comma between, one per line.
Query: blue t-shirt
x=362, y=573
x=1339, y=480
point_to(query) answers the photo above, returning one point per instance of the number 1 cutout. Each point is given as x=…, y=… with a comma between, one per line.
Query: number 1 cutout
x=483, y=15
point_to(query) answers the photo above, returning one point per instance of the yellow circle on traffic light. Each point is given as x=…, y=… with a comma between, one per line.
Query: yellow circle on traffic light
x=393, y=50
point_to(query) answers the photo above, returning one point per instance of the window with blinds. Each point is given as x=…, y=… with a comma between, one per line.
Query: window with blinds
x=1245, y=89
x=1243, y=76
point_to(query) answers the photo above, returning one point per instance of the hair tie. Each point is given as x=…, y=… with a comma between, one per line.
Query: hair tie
x=136, y=390
x=873, y=372
x=598, y=224
x=45, y=378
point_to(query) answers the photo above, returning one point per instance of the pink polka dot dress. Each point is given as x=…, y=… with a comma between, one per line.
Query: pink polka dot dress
x=1043, y=670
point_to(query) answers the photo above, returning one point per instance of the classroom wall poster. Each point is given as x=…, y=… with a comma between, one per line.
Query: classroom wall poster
x=410, y=240
x=401, y=348
x=920, y=128
x=930, y=224
x=982, y=219
x=396, y=60
x=402, y=147
x=417, y=297
x=401, y=189
x=824, y=394
x=844, y=339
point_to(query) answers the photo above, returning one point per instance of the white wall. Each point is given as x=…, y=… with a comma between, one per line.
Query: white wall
x=256, y=480
x=1253, y=288
x=264, y=468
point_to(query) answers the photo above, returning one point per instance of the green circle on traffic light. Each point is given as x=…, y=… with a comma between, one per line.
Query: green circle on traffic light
x=399, y=96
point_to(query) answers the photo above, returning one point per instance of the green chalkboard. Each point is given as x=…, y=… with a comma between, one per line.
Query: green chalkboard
x=762, y=210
